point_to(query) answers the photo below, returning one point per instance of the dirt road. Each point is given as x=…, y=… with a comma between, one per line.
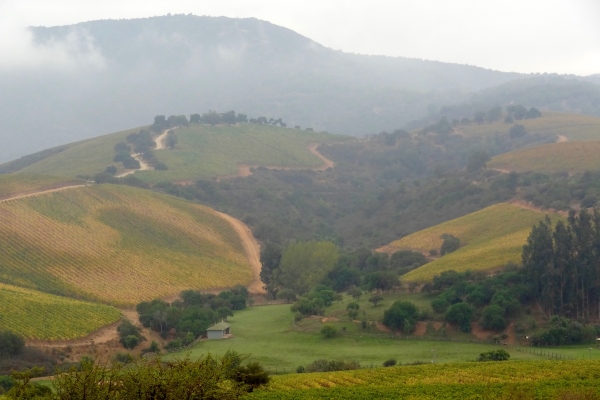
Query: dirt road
x=252, y=249
x=160, y=141
x=22, y=196
x=245, y=169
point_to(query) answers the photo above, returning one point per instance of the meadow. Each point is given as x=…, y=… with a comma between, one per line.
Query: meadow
x=42, y=316
x=118, y=245
x=490, y=238
x=575, y=127
x=205, y=151
x=269, y=335
x=571, y=157
x=491, y=380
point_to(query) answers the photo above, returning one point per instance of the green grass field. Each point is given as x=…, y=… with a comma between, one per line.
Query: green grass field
x=268, y=335
x=575, y=127
x=555, y=157
x=490, y=238
x=37, y=315
x=12, y=185
x=490, y=380
x=117, y=244
x=202, y=151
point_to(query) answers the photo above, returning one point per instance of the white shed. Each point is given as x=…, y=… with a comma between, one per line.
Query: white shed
x=218, y=331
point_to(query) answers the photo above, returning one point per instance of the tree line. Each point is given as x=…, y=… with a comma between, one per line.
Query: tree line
x=563, y=262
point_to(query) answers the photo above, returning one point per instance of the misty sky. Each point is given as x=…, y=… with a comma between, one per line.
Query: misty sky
x=561, y=36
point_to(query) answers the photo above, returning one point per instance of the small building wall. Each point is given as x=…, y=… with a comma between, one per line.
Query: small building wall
x=214, y=334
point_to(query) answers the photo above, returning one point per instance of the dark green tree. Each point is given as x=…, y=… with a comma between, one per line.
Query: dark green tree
x=399, y=314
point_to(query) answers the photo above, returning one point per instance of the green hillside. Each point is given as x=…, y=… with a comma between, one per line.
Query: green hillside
x=202, y=151
x=555, y=157
x=205, y=151
x=489, y=239
x=15, y=185
x=117, y=244
x=37, y=315
x=575, y=127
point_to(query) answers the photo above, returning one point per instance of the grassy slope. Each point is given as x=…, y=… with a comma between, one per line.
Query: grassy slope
x=205, y=151
x=37, y=315
x=270, y=337
x=489, y=238
x=117, y=244
x=575, y=127
x=201, y=152
x=12, y=185
x=87, y=157
x=556, y=157
x=508, y=380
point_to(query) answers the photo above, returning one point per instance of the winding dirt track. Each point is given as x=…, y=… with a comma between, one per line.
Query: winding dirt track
x=160, y=144
x=245, y=169
x=33, y=194
x=252, y=249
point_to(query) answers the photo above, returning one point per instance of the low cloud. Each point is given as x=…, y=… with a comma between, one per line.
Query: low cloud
x=20, y=50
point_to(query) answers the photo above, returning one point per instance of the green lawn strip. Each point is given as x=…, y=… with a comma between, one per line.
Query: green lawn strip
x=267, y=334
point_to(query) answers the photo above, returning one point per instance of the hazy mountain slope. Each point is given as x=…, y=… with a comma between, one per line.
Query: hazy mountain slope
x=117, y=244
x=116, y=73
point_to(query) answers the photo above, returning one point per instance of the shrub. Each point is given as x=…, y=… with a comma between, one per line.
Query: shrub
x=461, y=315
x=450, y=244
x=494, y=355
x=332, y=365
x=402, y=315
x=253, y=375
x=493, y=318
x=389, y=363
x=329, y=331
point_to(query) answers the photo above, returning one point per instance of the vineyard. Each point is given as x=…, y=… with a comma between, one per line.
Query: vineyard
x=511, y=379
x=37, y=315
x=489, y=239
x=205, y=151
x=574, y=127
x=12, y=185
x=556, y=157
x=117, y=244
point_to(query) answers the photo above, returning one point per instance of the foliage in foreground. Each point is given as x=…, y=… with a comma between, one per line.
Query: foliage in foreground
x=519, y=379
x=205, y=378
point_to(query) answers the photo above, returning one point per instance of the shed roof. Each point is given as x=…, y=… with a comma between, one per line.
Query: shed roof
x=221, y=326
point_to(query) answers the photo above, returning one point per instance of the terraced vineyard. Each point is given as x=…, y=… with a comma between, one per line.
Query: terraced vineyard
x=117, y=244
x=556, y=157
x=489, y=238
x=12, y=185
x=574, y=127
x=37, y=315
x=205, y=151
x=511, y=379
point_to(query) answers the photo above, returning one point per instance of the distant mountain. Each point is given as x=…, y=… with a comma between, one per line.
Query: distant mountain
x=118, y=74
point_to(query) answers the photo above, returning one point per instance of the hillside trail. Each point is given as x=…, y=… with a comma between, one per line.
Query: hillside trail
x=528, y=206
x=252, y=249
x=244, y=170
x=144, y=166
x=41, y=192
x=559, y=139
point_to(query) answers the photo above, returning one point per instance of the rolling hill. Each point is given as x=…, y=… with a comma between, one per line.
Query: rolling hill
x=202, y=151
x=117, y=244
x=490, y=238
x=568, y=157
x=574, y=127
x=42, y=316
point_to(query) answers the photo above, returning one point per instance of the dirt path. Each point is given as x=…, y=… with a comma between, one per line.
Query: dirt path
x=252, y=249
x=528, y=206
x=160, y=141
x=244, y=170
x=561, y=139
x=33, y=194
